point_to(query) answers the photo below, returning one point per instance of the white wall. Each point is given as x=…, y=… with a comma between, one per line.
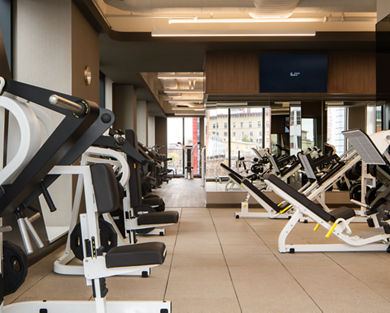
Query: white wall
x=382, y=8
x=142, y=121
x=151, y=131
x=108, y=93
x=43, y=57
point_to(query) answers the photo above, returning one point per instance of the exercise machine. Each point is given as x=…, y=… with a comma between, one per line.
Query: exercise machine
x=83, y=122
x=372, y=150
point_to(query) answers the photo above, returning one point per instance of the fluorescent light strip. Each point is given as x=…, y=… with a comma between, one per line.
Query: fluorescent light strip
x=189, y=114
x=324, y=19
x=185, y=101
x=232, y=34
x=180, y=77
x=188, y=109
x=244, y=20
x=183, y=91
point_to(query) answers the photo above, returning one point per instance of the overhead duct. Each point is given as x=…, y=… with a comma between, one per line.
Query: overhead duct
x=274, y=8
x=255, y=8
x=182, y=7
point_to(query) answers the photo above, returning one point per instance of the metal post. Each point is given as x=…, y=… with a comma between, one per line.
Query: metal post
x=203, y=168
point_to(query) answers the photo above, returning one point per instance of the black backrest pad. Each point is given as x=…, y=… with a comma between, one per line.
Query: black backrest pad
x=135, y=174
x=261, y=195
x=105, y=186
x=316, y=209
x=289, y=169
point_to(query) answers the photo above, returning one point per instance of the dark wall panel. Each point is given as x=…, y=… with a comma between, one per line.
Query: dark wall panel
x=6, y=32
x=349, y=72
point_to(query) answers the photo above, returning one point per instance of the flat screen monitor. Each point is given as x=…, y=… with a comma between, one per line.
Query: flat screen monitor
x=288, y=72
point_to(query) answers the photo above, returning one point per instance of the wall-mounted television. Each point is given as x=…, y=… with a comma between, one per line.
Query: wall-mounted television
x=290, y=72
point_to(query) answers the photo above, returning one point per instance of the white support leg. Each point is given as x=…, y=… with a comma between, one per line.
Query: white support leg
x=287, y=230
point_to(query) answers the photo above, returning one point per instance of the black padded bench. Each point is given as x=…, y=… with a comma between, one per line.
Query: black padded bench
x=261, y=195
x=231, y=171
x=167, y=217
x=345, y=213
x=149, y=253
x=235, y=178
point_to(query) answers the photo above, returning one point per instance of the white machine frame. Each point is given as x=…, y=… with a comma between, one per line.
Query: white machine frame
x=270, y=212
x=94, y=267
x=62, y=264
x=375, y=240
x=117, y=160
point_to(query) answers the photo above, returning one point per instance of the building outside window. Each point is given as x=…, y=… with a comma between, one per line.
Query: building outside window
x=251, y=135
x=337, y=123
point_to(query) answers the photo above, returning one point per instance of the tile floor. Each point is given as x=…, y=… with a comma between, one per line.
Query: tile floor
x=218, y=264
x=175, y=193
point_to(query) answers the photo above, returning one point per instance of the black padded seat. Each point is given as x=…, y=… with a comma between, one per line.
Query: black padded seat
x=154, y=202
x=315, y=208
x=167, y=217
x=136, y=255
x=345, y=213
x=261, y=195
x=151, y=196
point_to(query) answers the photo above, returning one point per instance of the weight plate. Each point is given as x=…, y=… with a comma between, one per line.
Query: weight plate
x=15, y=267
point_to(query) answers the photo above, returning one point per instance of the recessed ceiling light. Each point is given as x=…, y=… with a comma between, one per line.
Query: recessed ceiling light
x=244, y=20
x=182, y=91
x=176, y=76
x=231, y=34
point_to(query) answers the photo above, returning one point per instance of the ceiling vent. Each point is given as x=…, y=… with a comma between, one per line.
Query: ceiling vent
x=274, y=8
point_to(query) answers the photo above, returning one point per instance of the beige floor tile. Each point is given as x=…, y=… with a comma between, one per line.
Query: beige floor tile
x=58, y=287
x=205, y=305
x=219, y=264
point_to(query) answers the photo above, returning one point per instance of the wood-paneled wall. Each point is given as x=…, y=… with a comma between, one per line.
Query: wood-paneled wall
x=238, y=72
x=352, y=73
x=232, y=72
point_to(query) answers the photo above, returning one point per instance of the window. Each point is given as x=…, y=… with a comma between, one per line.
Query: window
x=217, y=150
x=336, y=125
x=214, y=126
x=245, y=141
x=295, y=129
x=182, y=131
x=308, y=133
x=378, y=118
x=241, y=141
x=175, y=151
x=259, y=124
